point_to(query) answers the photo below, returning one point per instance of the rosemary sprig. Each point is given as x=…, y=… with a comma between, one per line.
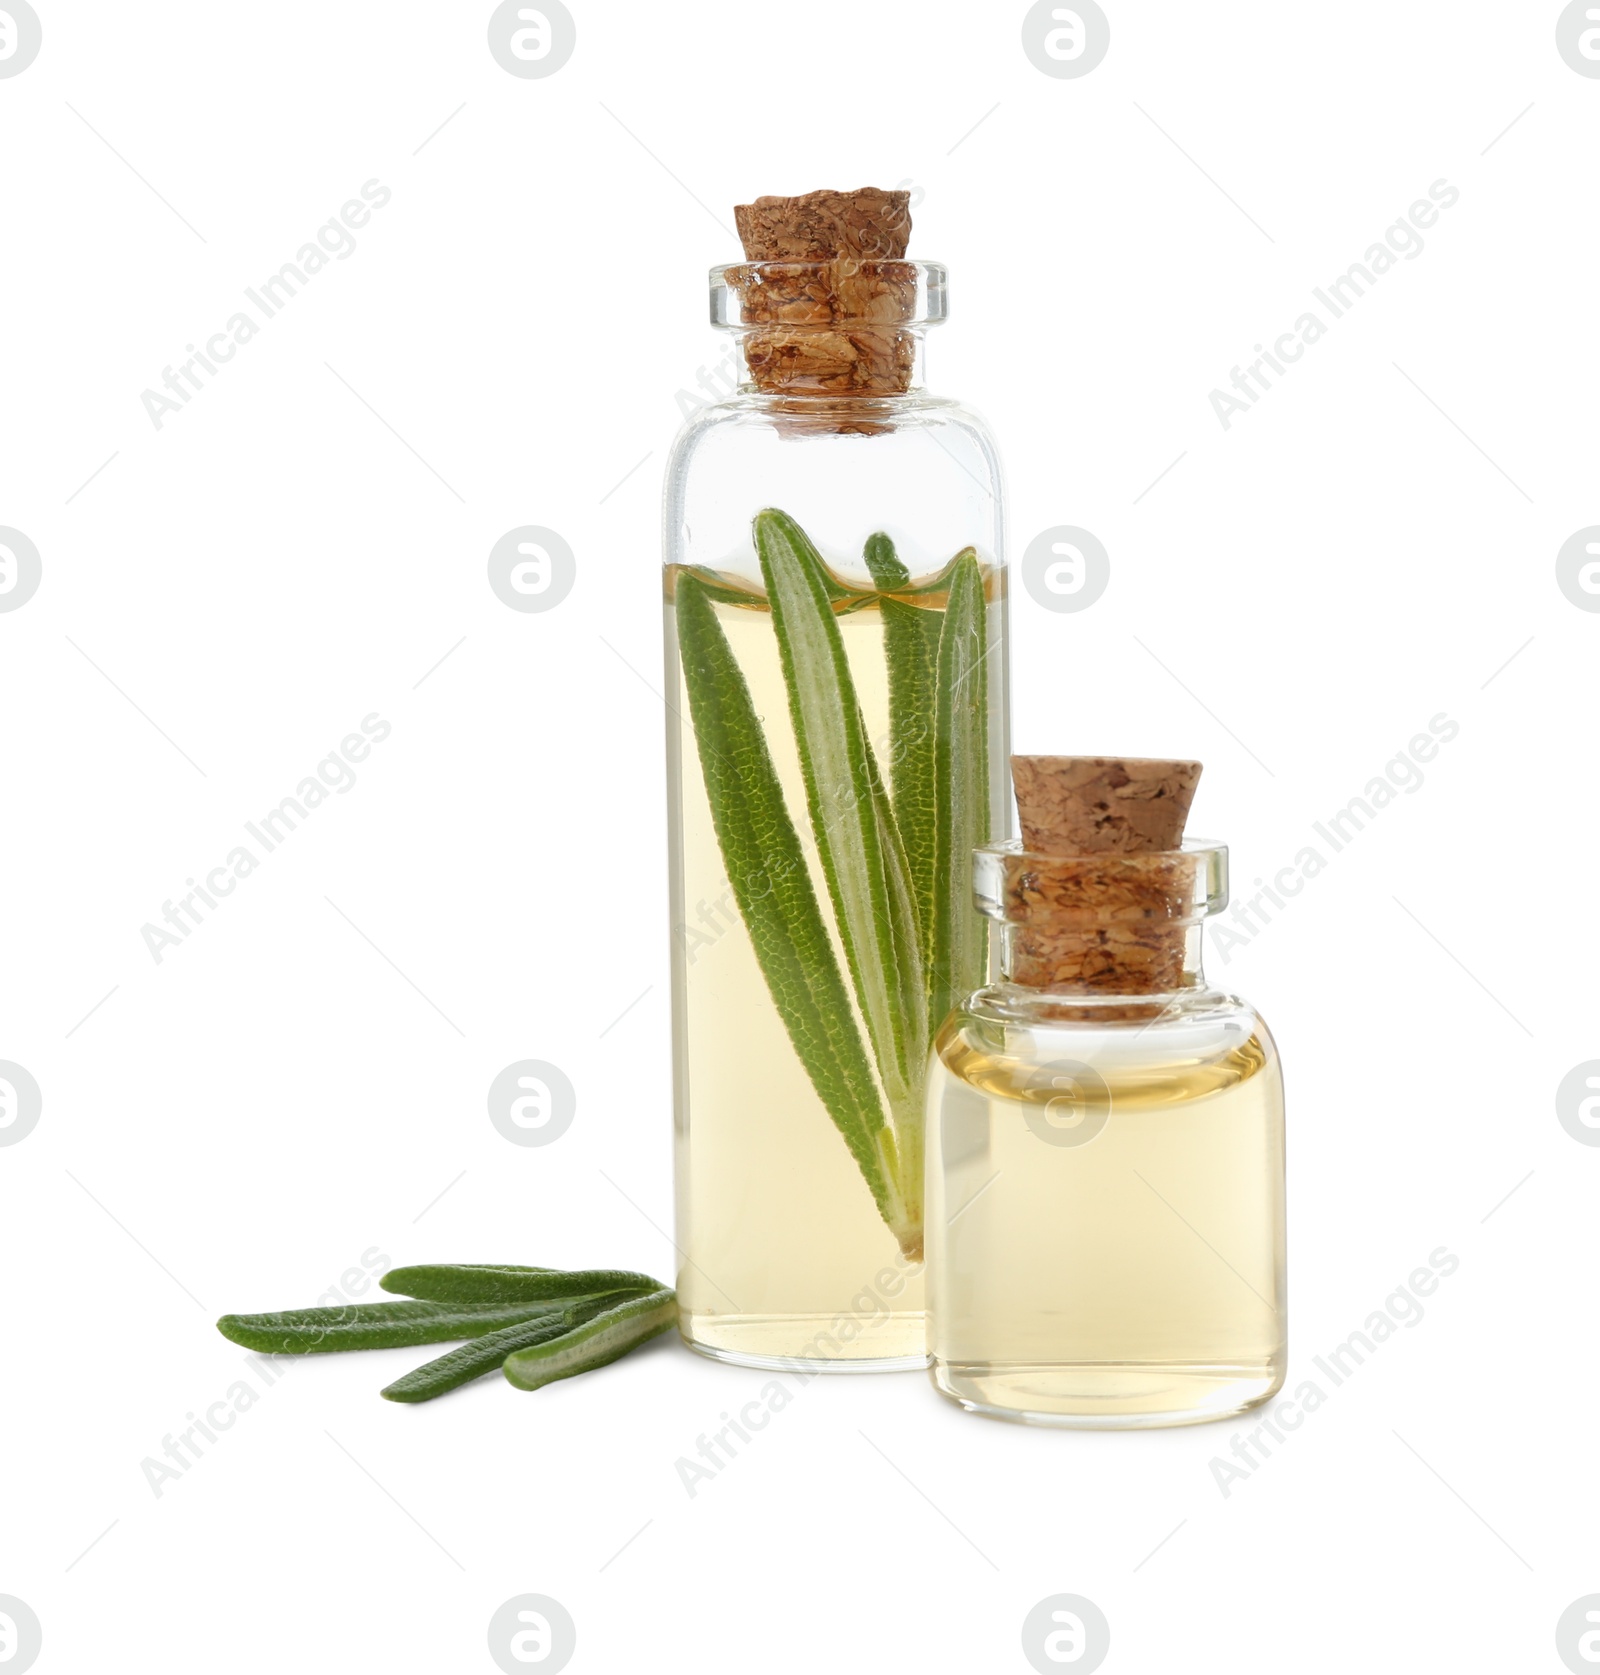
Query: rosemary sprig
x=599, y=1341
x=472, y=1282
x=897, y=867
x=472, y=1360
x=961, y=777
x=863, y=858
x=482, y=1355
x=767, y=869
x=520, y=1311
x=911, y=649
x=369, y=1326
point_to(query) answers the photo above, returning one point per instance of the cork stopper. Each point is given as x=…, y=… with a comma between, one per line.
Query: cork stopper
x=825, y=226
x=827, y=292
x=1102, y=899
x=1091, y=805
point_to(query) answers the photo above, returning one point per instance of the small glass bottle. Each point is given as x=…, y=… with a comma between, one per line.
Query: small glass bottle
x=1105, y=1157
x=798, y=1245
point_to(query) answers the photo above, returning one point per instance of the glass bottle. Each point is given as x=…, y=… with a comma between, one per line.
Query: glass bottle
x=1105, y=1158
x=797, y=1243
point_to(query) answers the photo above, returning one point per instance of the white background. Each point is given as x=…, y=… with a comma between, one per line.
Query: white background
x=1291, y=602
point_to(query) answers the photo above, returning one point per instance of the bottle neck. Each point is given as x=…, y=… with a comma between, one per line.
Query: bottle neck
x=847, y=329
x=1112, y=926
x=1109, y=959
x=844, y=361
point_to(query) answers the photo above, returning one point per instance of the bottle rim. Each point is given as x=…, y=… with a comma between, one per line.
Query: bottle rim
x=750, y=296
x=1191, y=882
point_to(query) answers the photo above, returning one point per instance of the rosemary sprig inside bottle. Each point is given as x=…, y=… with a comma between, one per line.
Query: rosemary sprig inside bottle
x=895, y=850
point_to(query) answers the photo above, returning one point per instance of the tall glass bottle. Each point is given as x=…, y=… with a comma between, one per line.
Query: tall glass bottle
x=1105, y=1157
x=836, y=745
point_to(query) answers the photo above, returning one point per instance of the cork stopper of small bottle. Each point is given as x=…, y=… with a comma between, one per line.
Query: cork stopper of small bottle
x=1092, y=805
x=1101, y=899
x=835, y=320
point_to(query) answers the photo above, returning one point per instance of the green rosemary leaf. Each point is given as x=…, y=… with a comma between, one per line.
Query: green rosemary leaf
x=371, y=1325
x=489, y=1282
x=595, y=1343
x=911, y=650
x=961, y=760
x=767, y=870
x=885, y=565
x=472, y=1360
x=862, y=856
x=482, y=1355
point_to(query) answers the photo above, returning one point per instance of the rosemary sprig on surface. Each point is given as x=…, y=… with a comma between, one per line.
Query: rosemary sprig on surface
x=569, y=1322
x=474, y=1282
x=603, y=1338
